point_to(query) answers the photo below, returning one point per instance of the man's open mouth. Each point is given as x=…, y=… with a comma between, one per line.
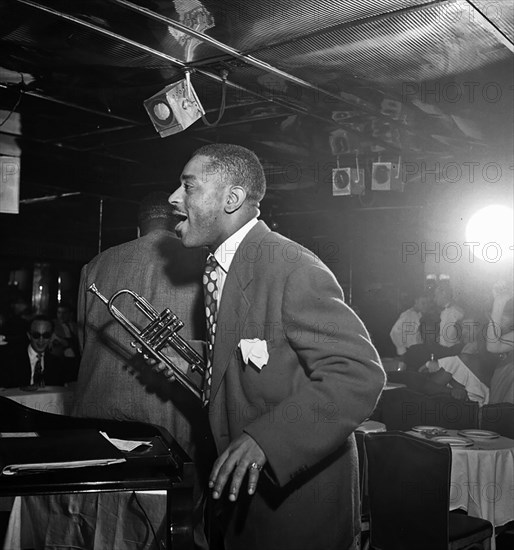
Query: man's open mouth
x=181, y=217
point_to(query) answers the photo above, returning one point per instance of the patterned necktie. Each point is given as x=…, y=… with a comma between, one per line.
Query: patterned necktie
x=38, y=371
x=210, y=289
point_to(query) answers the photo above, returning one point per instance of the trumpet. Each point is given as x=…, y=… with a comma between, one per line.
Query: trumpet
x=160, y=332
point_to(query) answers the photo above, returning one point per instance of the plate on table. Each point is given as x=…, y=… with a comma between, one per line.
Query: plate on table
x=453, y=441
x=429, y=430
x=479, y=434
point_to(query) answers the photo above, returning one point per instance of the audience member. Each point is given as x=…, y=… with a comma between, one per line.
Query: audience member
x=441, y=338
x=500, y=341
x=450, y=320
x=293, y=369
x=114, y=381
x=469, y=369
x=406, y=331
x=34, y=364
x=464, y=376
x=66, y=339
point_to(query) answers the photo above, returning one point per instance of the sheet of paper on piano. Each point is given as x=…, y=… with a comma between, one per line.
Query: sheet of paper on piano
x=37, y=452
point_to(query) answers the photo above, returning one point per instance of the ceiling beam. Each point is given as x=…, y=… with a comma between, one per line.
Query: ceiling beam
x=127, y=126
x=105, y=32
x=65, y=103
x=486, y=22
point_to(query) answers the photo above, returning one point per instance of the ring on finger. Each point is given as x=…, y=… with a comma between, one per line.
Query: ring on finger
x=255, y=466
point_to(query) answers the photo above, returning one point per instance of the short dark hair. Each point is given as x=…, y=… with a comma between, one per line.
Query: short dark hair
x=238, y=165
x=154, y=206
x=40, y=318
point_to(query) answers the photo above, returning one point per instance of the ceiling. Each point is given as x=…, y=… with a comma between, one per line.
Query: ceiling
x=309, y=86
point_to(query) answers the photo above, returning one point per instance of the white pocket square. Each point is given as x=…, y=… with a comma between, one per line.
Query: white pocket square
x=255, y=351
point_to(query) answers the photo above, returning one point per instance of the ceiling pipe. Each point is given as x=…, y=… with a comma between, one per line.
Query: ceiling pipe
x=68, y=104
x=103, y=31
x=126, y=126
x=49, y=198
x=332, y=210
x=84, y=194
x=96, y=132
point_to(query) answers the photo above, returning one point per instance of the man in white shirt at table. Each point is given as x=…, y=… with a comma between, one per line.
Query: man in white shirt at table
x=406, y=331
x=448, y=336
x=450, y=331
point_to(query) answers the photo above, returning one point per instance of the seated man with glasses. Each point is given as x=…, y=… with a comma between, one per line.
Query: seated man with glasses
x=34, y=365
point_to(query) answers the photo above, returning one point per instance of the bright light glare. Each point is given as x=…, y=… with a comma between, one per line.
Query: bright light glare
x=492, y=224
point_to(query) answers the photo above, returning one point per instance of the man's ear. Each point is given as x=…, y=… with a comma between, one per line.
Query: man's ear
x=235, y=199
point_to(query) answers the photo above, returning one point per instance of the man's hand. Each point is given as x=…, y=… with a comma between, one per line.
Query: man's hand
x=180, y=363
x=241, y=456
x=162, y=368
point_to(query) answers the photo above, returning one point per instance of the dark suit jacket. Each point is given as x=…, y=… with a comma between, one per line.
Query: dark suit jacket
x=18, y=371
x=323, y=378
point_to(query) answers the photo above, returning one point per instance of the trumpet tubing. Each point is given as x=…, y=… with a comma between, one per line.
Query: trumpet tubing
x=159, y=333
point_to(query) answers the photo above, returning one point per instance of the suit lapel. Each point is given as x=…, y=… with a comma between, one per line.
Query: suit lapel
x=234, y=306
x=27, y=371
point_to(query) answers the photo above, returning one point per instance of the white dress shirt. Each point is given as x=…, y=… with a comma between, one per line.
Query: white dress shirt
x=226, y=252
x=33, y=360
x=450, y=317
x=405, y=332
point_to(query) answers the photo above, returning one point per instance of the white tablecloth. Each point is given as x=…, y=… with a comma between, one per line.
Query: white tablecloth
x=477, y=390
x=482, y=479
x=52, y=399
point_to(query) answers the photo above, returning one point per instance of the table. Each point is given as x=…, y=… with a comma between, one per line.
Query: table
x=51, y=399
x=482, y=479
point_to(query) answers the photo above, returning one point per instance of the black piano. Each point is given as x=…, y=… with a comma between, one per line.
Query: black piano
x=170, y=470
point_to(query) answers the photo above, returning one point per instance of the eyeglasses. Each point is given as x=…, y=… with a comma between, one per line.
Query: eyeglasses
x=45, y=335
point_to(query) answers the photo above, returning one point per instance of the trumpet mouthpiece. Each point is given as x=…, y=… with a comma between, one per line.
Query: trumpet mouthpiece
x=92, y=288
